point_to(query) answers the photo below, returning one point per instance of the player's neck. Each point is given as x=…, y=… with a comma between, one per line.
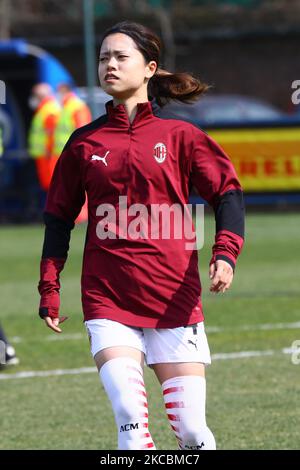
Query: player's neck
x=131, y=104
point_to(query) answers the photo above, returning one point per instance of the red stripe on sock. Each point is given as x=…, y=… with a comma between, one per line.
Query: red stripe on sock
x=141, y=392
x=144, y=415
x=136, y=381
x=148, y=446
x=144, y=425
x=175, y=404
x=173, y=389
x=147, y=434
x=135, y=369
x=173, y=417
x=174, y=428
x=143, y=403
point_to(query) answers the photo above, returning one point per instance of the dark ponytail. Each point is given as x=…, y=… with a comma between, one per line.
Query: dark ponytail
x=164, y=85
x=181, y=86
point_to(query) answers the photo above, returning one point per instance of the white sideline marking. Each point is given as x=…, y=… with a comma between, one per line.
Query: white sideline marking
x=87, y=370
x=243, y=354
x=16, y=339
x=47, y=373
x=52, y=337
x=208, y=329
x=68, y=336
x=265, y=326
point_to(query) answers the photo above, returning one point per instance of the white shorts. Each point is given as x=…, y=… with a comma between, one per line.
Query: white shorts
x=182, y=344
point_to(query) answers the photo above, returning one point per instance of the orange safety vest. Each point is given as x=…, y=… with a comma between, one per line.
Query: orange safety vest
x=66, y=123
x=38, y=136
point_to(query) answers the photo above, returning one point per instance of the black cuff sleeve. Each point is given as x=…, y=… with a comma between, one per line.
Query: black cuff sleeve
x=43, y=312
x=57, y=236
x=230, y=213
x=228, y=260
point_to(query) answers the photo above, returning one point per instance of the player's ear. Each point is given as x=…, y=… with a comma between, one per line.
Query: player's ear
x=151, y=68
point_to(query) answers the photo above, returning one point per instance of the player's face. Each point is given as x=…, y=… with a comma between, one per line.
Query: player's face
x=122, y=68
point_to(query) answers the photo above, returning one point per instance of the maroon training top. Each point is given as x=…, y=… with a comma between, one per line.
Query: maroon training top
x=143, y=282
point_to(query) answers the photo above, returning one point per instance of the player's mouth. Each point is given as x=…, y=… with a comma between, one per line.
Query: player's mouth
x=109, y=77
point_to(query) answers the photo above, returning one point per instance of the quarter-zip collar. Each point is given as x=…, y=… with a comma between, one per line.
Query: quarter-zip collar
x=118, y=114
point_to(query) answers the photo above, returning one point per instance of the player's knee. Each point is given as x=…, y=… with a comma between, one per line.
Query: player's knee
x=192, y=434
x=126, y=409
x=195, y=437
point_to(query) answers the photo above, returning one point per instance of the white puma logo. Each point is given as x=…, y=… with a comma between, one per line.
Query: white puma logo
x=96, y=157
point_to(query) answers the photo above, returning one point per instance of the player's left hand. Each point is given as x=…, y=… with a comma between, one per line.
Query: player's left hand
x=221, y=275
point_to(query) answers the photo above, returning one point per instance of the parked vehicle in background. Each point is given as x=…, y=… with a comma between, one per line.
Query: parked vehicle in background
x=98, y=95
x=214, y=110
x=262, y=141
x=224, y=109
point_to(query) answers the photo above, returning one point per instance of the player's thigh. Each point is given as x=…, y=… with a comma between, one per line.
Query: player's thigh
x=110, y=339
x=165, y=371
x=173, y=352
x=118, y=351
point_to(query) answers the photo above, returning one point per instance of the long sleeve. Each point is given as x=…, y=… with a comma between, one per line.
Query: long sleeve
x=215, y=179
x=65, y=199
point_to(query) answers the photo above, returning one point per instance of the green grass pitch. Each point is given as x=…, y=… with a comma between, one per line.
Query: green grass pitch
x=252, y=402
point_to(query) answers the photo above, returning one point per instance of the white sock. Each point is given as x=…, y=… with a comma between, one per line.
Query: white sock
x=123, y=381
x=185, y=405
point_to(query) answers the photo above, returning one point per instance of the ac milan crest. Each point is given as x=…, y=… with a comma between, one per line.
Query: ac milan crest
x=160, y=152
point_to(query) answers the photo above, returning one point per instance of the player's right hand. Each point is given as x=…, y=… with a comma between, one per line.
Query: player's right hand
x=54, y=322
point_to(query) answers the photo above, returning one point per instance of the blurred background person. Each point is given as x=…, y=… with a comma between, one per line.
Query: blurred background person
x=75, y=113
x=41, y=133
x=9, y=354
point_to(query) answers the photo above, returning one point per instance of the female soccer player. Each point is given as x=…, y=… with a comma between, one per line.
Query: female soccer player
x=140, y=287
